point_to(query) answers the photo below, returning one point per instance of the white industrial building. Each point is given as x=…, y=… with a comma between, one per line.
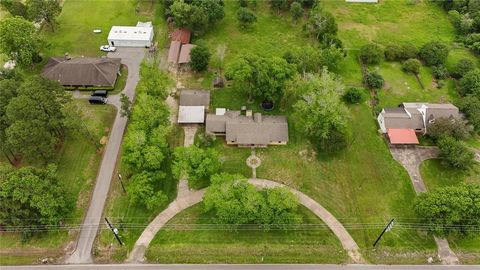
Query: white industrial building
x=131, y=36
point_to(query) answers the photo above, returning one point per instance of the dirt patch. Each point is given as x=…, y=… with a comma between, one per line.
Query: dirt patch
x=104, y=140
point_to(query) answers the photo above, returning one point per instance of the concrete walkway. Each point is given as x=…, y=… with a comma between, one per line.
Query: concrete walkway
x=253, y=161
x=189, y=198
x=411, y=158
x=132, y=57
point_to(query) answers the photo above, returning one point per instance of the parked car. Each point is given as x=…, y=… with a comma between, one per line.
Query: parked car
x=97, y=100
x=107, y=48
x=100, y=93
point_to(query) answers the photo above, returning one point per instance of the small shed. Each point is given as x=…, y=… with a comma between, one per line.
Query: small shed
x=191, y=114
x=173, y=52
x=402, y=136
x=193, y=104
x=184, y=56
x=131, y=36
x=181, y=35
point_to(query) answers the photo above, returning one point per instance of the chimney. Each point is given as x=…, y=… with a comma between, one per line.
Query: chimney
x=257, y=117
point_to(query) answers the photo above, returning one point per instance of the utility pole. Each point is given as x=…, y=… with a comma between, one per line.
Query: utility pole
x=386, y=229
x=121, y=183
x=115, y=231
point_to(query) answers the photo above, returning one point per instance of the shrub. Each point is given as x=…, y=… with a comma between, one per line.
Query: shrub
x=353, y=95
x=463, y=66
x=439, y=72
x=198, y=164
x=371, y=54
x=396, y=52
x=296, y=11
x=199, y=58
x=246, y=17
x=412, y=66
x=470, y=83
x=374, y=80
x=434, y=53
x=455, y=153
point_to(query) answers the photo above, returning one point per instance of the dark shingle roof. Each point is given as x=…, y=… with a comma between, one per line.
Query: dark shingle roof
x=82, y=71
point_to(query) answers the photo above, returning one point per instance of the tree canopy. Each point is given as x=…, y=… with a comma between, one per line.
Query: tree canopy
x=235, y=202
x=199, y=58
x=319, y=112
x=470, y=83
x=321, y=24
x=434, y=53
x=19, y=40
x=371, y=53
x=44, y=11
x=32, y=197
x=470, y=105
x=261, y=77
x=455, y=153
x=199, y=164
x=453, y=209
x=246, y=18
x=197, y=15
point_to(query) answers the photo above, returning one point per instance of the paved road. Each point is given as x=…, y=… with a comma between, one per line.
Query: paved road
x=240, y=267
x=132, y=57
x=187, y=198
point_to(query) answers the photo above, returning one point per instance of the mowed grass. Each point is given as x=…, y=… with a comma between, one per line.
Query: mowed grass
x=359, y=185
x=78, y=162
x=435, y=175
x=197, y=245
x=74, y=33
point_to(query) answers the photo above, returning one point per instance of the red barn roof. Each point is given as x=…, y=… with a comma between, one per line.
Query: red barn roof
x=402, y=136
x=182, y=35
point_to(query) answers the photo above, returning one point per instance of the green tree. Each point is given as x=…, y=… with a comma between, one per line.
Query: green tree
x=260, y=77
x=443, y=126
x=464, y=66
x=233, y=200
x=371, y=54
x=15, y=8
x=296, y=11
x=144, y=189
x=308, y=59
x=412, y=66
x=319, y=112
x=320, y=23
x=453, y=209
x=199, y=58
x=44, y=11
x=32, y=197
x=198, y=164
x=8, y=90
x=280, y=209
x=246, y=18
x=374, y=80
x=198, y=15
x=154, y=81
x=470, y=83
x=455, y=153
x=434, y=53
x=470, y=106
x=19, y=40
x=125, y=109
x=279, y=5
x=331, y=58
x=440, y=72
x=149, y=113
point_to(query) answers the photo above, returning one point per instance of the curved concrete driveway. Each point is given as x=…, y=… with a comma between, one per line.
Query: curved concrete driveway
x=189, y=198
x=132, y=57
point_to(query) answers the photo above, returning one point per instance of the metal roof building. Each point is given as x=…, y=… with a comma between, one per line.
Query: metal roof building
x=131, y=36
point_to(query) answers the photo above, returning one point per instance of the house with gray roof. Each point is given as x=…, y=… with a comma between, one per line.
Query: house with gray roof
x=83, y=71
x=415, y=116
x=245, y=129
x=192, y=106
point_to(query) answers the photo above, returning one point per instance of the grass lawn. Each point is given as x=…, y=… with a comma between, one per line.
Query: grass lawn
x=78, y=162
x=435, y=175
x=198, y=245
x=121, y=81
x=74, y=33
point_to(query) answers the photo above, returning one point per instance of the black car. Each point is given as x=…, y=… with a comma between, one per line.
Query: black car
x=97, y=100
x=100, y=93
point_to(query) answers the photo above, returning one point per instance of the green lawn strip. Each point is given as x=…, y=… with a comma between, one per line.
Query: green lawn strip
x=435, y=174
x=361, y=184
x=121, y=81
x=219, y=246
x=78, y=162
x=120, y=210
